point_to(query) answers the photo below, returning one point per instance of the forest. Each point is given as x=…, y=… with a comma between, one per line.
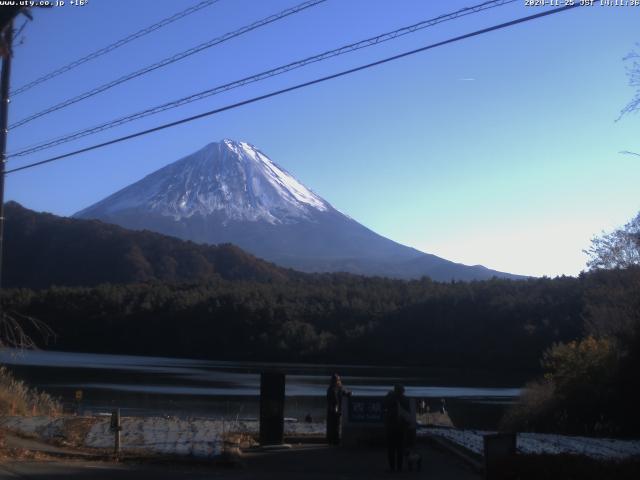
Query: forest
x=494, y=324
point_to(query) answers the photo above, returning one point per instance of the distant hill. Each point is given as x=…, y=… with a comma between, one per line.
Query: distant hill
x=231, y=192
x=42, y=249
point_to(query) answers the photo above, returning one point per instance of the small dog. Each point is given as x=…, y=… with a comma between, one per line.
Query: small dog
x=414, y=460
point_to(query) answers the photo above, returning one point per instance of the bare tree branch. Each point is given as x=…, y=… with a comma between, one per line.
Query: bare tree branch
x=633, y=74
x=18, y=330
x=617, y=249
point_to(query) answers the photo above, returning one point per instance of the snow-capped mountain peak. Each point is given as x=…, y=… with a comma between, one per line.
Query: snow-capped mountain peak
x=231, y=192
x=228, y=178
x=283, y=181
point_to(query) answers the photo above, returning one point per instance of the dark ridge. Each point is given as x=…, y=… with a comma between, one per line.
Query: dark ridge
x=42, y=249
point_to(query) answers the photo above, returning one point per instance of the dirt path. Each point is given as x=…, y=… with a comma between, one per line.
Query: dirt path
x=323, y=462
x=16, y=442
x=313, y=462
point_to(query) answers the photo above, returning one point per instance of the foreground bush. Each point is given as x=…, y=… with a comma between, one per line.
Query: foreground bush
x=536, y=410
x=16, y=398
x=580, y=393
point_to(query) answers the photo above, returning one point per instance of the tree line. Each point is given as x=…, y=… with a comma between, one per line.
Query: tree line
x=494, y=324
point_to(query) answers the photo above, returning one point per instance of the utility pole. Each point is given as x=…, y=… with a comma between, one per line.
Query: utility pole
x=4, y=122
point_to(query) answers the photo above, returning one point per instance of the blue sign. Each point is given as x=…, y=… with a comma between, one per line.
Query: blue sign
x=365, y=410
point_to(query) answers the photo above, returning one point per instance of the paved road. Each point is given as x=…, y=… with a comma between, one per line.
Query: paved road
x=317, y=462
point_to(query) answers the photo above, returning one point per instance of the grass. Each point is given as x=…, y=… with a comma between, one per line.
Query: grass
x=17, y=398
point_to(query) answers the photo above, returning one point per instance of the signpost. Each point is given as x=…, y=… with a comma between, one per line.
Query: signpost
x=78, y=397
x=365, y=410
x=363, y=420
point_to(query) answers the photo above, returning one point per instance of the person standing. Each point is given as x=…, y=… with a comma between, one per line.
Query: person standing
x=422, y=406
x=397, y=421
x=335, y=393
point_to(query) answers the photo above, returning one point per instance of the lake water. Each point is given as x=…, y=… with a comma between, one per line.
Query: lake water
x=184, y=387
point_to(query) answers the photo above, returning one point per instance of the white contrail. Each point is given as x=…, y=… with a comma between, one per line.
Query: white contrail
x=627, y=152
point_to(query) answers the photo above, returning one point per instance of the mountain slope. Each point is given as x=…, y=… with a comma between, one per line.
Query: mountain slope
x=43, y=250
x=230, y=192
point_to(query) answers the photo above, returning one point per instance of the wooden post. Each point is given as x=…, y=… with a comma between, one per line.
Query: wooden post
x=116, y=428
x=4, y=124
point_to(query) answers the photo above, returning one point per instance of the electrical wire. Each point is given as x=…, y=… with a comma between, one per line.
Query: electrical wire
x=295, y=87
x=114, y=45
x=44, y=145
x=19, y=31
x=169, y=60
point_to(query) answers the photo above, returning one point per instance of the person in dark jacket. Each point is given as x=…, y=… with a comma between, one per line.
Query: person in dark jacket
x=397, y=422
x=335, y=392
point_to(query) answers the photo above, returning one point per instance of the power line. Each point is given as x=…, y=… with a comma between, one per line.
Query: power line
x=114, y=45
x=296, y=87
x=20, y=29
x=170, y=60
x=44, y=145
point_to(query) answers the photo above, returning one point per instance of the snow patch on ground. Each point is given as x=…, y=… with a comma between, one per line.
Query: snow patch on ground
x=205, y=437
x=161, y=435
x=543, y=443
x=43, y=426
x=198, y=437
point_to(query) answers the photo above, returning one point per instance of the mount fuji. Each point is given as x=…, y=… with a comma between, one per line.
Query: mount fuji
x=231, y=192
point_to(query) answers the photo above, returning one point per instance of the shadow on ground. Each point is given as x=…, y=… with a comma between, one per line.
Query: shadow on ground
x=301, y=462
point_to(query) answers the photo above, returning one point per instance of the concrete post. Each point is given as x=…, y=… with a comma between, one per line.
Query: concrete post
x=272, y=408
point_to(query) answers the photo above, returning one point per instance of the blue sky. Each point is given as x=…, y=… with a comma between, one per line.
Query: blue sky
x=501, y=150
